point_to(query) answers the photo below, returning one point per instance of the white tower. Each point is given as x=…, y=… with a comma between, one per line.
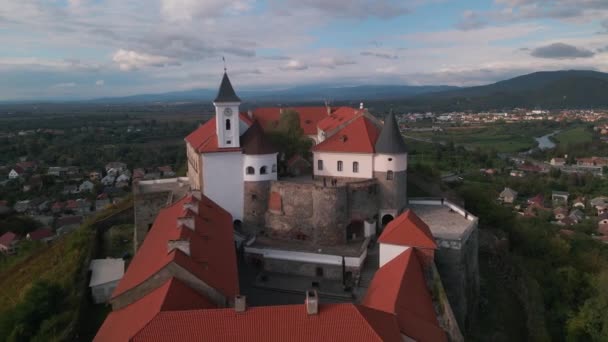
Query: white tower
x=227, y=115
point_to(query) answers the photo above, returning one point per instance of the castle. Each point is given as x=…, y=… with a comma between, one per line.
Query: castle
x=321, y=223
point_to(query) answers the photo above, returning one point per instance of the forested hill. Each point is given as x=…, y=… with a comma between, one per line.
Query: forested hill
x=547, y=90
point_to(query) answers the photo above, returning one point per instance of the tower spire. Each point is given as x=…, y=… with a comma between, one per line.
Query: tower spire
x=224, y=60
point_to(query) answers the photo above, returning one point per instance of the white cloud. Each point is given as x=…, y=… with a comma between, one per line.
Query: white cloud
x=179, y=10
x=294, y=65
x=100, y=83
x=128, y=60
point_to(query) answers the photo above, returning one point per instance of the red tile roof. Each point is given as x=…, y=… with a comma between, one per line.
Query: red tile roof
x=399, y=288
x=40, y=233
x=8, y=238
x=204, y=139
x=334, y=322
x=309, y=117
x=340, y=116
x=358, y=137
x=408, y=230
x=209, y=242
x=123, y=324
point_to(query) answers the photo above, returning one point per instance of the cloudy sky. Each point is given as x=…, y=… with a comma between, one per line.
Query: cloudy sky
x=94, y=48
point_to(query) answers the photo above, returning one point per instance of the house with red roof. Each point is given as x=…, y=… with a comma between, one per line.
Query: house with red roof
x=182, y=285
x=41, y=234
x=16, y=172
x=403, y=233
x=8, y=243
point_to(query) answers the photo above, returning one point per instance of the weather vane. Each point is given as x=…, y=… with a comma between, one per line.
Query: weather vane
x=224, y=59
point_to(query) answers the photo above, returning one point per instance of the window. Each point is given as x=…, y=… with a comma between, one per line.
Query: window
x=355, y=167
x=274, y=168
x=263, y=170
x=228, y=142
x=227, y=124
x=340, y=165
x=250, y=170
x=319, y=165
x=389, y=175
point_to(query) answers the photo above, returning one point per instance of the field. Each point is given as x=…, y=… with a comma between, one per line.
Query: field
x=573, y=136
x=505, y=138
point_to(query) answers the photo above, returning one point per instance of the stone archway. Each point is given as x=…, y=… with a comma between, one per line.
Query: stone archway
x=238, y=224
x=386, y=219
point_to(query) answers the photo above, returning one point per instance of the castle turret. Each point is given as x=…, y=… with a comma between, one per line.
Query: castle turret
x=259, y=169
x=390, y=169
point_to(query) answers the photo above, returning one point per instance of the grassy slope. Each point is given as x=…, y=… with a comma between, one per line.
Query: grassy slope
x=576, y=135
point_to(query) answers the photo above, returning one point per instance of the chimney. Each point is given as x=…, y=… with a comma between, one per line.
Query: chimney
x=361, y=105
x=312, y=302
x=281, y=110
x=250, y=114
x=327, y=107
x=240, y=303
x=187, y=221
x=182, y=245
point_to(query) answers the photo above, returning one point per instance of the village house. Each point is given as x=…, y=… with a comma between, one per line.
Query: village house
x=41, y=234
x=118, y=167
x=94, y=176
x=166, y=171
x=8, y=243
x=559, y=197
x=108, y=180
x=57, y=171
x=16, y=172
x=86, y=186
x=70, y=189
x=105, y=275
x=579, y=202
x=508, y=195
x=27, y=166
x=560, y=213
x=558, y=162
x=517, y=173
x=22, y=206
x=576, y=216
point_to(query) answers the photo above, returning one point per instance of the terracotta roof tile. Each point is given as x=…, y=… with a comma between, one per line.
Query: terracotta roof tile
x=309, y=117
x=408, y=230
x=335, y=322
x=358, y=137
x=210, y=240
x=339, y=117
x=399, y=288
x=7, y=238
x=123, y=324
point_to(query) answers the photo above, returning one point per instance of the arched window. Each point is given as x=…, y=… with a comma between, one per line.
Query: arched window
x=389, y=175
x=319, y=165
x=250, y=170
x=227, y=124
x=340, y=165
x=263, y=170
x=355, y=167
x=274, y=168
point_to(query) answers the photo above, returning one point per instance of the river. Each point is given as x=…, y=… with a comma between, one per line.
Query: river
x=544, y=143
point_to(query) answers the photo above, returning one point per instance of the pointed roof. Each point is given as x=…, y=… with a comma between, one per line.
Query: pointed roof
x=390, y=140
x=226, y=92
x=399, y=287
x=408, y=230
x=254, y=141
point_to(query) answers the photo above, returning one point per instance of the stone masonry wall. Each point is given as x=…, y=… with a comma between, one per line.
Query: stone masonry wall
x=320, y=213
x=146, y=207
x=392, y=193
x=255, y=206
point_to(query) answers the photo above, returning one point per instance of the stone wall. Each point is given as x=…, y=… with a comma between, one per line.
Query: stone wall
x=460, y=275
x=392, y=193
x=320, y=214
x=146, y=207
x=302, y=269
x=255, y=206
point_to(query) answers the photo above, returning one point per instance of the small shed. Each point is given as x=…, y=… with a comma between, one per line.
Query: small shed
x=105, y=275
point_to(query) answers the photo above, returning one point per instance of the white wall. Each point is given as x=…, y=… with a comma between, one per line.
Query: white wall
x=257, y=161
x=388, y=252
x=397, y=162
x=330, y=164
x=220, y=124
x=223, y=181
x=313, y=258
